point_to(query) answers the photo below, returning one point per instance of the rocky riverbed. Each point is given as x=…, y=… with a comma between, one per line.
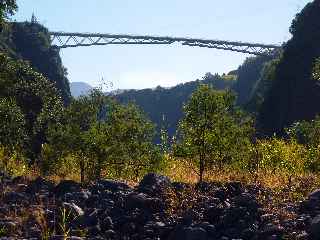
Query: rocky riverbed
x=154, y=209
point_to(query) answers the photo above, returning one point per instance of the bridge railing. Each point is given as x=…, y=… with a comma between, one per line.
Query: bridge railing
x=67, y=40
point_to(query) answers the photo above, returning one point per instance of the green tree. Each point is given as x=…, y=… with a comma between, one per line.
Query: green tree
x=212, y=131
x=132, y=151
x=7, y=8
x=169, y=102
x=12, y=129
x=37, y=98
x=68, y=136
x=101, y=135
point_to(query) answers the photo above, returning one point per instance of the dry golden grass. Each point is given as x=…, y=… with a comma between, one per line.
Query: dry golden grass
x=285, y=187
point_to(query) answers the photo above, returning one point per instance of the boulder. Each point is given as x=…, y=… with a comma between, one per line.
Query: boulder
x=188, y=233
x=270, y=230
x=212, y=213
x=19, y=180
x=106, y=224
x=113, y=186
x=234, y=188
x=14, y=198
x=154, y=184
x=62, y=237
x=247, y=200
x=89, y=219
x=38, y=185
x=315, y=228
x=179, y=187
x=72, y=209
x=143, y=202
x=196, y=233
x=79, y=198
x=315, y=195
x=66, y=186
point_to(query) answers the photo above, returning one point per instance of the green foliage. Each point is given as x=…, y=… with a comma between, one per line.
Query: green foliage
x=96, y=135
x=132, y=152
x=160, y=102
x=37, y=98
x=3, y=232
x=316, y=70
x=63, y=224
x=280, y=155
x=306, y=132
x=13, y=162
x=212, y=132
x=12, y=128
x=67, y=137
x=7, y=8
x=164, y=137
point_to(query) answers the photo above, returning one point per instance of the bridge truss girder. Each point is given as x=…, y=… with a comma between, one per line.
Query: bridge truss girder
x=67, y=40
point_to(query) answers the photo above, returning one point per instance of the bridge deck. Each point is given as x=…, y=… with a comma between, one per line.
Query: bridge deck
x=66, y=40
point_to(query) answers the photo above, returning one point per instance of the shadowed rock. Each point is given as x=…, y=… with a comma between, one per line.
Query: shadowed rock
x=154, y=184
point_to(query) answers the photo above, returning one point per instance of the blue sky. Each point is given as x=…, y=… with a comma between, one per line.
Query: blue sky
x=149, y=66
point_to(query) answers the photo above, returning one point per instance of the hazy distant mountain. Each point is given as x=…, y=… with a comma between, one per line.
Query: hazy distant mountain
x=79, y=88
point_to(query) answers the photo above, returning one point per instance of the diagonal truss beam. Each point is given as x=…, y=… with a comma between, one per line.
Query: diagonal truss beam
x=67, y=40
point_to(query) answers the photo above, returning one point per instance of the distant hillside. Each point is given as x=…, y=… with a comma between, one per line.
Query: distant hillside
x=164, y=105
x=79, y=88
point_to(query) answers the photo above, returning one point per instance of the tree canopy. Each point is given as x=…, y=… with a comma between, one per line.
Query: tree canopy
x=37, y=98
x=7, y=8
x=212, y=129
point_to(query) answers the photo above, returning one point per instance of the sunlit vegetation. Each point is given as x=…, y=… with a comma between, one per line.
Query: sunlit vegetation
x=247, y=125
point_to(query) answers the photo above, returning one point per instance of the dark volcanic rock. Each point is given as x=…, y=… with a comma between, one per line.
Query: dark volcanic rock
x=15, y=198
x=156, y=209
x=315, y=228
x=113, y=186
x=66, y=186
x=270, y=230
x=142, y=201
x=73, y=210
x=38, y=185
x=154, y=184
x=188, y=233
x=247, y=200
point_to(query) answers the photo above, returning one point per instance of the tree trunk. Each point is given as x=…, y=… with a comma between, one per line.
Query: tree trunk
x=201, y=169
x=81, y=171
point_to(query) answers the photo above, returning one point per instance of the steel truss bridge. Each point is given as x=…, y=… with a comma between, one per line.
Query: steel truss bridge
x=68, y=40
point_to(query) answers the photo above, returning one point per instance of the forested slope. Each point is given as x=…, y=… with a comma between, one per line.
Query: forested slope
x=295, y=93
x=164, y=106
x=30, y=41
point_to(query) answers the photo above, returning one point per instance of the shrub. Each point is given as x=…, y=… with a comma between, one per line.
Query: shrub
x=14, y=163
